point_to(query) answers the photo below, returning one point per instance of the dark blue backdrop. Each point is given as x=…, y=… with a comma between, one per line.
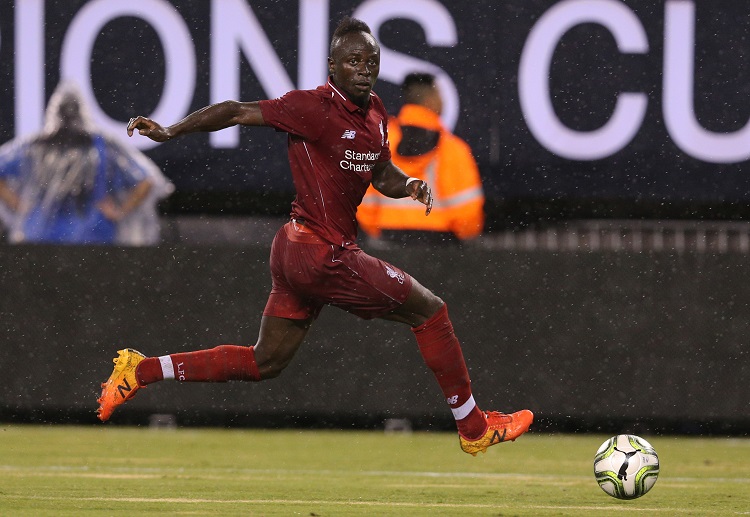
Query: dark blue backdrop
x=587, y=75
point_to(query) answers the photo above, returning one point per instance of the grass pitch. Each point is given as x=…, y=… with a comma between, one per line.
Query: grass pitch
x=108, y=470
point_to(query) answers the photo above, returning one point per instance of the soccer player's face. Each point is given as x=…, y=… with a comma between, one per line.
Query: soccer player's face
x=355, y=65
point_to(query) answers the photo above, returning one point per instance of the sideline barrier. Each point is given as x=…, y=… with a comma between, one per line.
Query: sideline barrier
x=586, y=336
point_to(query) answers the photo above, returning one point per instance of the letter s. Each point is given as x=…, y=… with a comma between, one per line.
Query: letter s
x=440, y=31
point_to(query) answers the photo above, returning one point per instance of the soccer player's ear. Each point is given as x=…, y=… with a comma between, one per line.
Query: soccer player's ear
x=330, y=66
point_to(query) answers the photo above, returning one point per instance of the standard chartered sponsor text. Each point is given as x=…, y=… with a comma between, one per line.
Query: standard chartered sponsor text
x=358, y=162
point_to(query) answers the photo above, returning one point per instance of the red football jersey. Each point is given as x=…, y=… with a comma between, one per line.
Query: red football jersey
x=333, y=146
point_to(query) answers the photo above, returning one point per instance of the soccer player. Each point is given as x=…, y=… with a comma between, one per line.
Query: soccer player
x=338, y=145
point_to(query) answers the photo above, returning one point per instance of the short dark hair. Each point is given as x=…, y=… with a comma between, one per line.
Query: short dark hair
x=416, y=86
x=417, y=79
x=347, y=25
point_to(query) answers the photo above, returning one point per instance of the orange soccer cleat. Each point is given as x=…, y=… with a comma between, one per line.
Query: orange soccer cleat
x=500, y=428
x=121, y=385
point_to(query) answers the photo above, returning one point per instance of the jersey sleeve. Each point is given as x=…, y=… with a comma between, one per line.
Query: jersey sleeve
x=298, y=112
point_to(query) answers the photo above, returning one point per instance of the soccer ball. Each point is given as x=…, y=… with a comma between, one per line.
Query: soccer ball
x=626, y=466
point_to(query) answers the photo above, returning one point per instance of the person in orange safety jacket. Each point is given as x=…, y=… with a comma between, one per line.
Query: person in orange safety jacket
x=424, y=149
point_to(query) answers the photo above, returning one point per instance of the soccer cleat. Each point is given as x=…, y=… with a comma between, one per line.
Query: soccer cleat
x=500, y=428
x=121, y=385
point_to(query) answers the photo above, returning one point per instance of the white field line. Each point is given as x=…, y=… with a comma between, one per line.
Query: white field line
x=386, y=504
x=150, y=472
x=146, y=472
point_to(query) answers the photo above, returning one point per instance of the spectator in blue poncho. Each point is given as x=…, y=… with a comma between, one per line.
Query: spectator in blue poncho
x=70, y=184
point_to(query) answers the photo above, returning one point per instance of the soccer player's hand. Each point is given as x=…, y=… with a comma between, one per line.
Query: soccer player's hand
x=148, y=128
x=420, y=191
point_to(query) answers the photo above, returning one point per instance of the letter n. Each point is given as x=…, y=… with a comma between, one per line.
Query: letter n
x=124, y=389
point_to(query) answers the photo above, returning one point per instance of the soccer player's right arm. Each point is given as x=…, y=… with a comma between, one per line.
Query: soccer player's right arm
x=211, y=118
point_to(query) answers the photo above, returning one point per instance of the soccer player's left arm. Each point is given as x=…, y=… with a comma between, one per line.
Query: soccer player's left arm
x=391, y=181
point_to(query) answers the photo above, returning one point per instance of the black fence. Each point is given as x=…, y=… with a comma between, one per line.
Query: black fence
x=589, y=341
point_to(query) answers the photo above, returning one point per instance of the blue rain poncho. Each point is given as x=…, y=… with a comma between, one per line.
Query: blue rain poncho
x=71, y=184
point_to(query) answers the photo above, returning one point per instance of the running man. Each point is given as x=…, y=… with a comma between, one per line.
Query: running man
x=338, y=146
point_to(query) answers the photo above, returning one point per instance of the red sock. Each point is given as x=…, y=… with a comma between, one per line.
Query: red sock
x=442, y=354
x=220, y=364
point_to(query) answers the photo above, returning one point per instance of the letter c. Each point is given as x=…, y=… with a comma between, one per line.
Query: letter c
x=533, y=80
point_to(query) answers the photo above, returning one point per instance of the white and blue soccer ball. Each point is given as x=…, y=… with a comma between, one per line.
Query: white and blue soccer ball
x=626, y=466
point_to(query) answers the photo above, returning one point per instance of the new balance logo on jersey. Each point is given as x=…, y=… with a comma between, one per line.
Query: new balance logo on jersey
x=349, y=134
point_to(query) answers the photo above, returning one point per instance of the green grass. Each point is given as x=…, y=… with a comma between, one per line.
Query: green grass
x=108, y=470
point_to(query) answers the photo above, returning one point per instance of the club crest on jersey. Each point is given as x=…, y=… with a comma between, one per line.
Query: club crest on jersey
x=394, y=274
x=349, y=134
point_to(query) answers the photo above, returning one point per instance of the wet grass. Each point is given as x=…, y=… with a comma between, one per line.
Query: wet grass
x=109, y=470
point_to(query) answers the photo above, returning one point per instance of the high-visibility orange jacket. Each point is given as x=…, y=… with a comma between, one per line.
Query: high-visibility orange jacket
x=448, y=168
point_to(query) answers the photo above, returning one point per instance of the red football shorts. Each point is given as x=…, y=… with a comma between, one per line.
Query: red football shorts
x=309, y=273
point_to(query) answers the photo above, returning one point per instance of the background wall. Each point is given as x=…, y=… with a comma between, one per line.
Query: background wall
x=579, y=338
